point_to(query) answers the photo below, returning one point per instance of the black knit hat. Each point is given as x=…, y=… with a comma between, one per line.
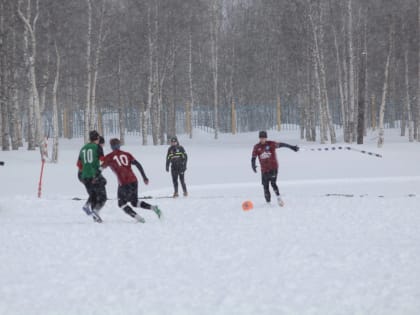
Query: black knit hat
x=174, y=139
x=262, y=134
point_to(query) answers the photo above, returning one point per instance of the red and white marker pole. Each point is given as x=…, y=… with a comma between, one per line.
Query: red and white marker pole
x=44, y=155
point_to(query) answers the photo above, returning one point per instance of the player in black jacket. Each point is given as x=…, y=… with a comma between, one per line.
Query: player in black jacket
x=177, y=158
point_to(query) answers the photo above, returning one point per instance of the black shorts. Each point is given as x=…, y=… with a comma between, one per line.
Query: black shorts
x=270, y=176
x=128, y=193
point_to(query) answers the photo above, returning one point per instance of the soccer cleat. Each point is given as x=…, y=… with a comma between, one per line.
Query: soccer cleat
x=86, y=209
x=157, y=211
x=280, y=201
x=175, y=195
x=139, y=218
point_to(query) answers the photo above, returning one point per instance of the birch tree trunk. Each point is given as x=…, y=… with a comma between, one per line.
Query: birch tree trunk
x=340, y=82
x=87, y=114
x=362, y=94
x=45, y=77
x=214, y=64
x=15, y=137
x=323, y=75
x=310, y=114
x=30, y=27
x=384, y=95
x=4, y=99
x=418, y=71
x=351, y=87
x=95, y=70
x=151, y=90
x=54, y=155
x=407, y=100
x=233, y=117
x=121, y=113
x=373, y=112
x=147, y=107
x=171, y=119
x=278, y=113
x=191, y=86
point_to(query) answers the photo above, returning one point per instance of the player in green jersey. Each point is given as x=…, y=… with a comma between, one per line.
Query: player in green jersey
x=90, y=157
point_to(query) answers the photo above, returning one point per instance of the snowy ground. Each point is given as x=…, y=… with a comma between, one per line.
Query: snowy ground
x=319, y=254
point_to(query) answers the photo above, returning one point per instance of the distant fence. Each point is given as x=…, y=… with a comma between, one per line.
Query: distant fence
x=248, y=118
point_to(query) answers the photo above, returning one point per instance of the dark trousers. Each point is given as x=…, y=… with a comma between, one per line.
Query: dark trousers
x=268, y=178
x=129, y=194
x=177, y=173
x=96, y=191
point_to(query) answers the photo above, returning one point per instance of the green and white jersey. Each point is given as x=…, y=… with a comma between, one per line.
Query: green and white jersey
x=89, y=157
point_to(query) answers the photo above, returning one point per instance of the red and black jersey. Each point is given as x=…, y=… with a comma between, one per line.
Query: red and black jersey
x=266, y=154
x=120, y=162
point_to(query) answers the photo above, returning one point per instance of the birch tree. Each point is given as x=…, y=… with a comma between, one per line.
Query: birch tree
x=88, y=110
x=381, y=130
x=418, y=71
x=407, y=99
x=190, y=79
x=350, y=57
x=214, y=34
x=325, y=116
x=121, y=113
x=102, y=34
x=30, y=54
x=54, y=155
x=4, y=139
x=362, y=91
x=13, y=107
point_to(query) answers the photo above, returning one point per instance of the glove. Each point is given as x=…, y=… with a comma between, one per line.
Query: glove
x=1, y=163
x=295, y=148
x=254, y=167
x=167, y=169
x=146, y=181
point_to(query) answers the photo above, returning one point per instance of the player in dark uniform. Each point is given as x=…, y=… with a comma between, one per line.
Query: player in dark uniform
x=120, y=163
x=265, y=150
x=89, y=163
x=177, y=158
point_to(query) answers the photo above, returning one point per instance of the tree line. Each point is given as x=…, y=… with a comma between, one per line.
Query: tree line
x=339, y=63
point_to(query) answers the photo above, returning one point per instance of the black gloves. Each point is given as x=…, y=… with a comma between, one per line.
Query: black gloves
x=294, y=148
x=254, y=167
x=1, y=163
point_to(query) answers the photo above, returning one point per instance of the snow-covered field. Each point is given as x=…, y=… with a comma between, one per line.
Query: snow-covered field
x=319, y=254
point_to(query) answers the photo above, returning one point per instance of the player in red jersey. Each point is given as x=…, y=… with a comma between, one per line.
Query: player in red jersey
x=120, y=162
x=265, y=150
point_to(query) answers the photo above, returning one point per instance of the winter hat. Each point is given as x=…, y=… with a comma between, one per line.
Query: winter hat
x=262, y=134
x=93, y=135
x=115, y=144
x=174, y=139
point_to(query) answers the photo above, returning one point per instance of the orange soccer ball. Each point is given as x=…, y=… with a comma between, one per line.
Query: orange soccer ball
x=247, y=205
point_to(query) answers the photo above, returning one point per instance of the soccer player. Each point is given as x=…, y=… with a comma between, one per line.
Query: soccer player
x=177, y=158
x=89, y=163
x=265, y=150
x=120, y=163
